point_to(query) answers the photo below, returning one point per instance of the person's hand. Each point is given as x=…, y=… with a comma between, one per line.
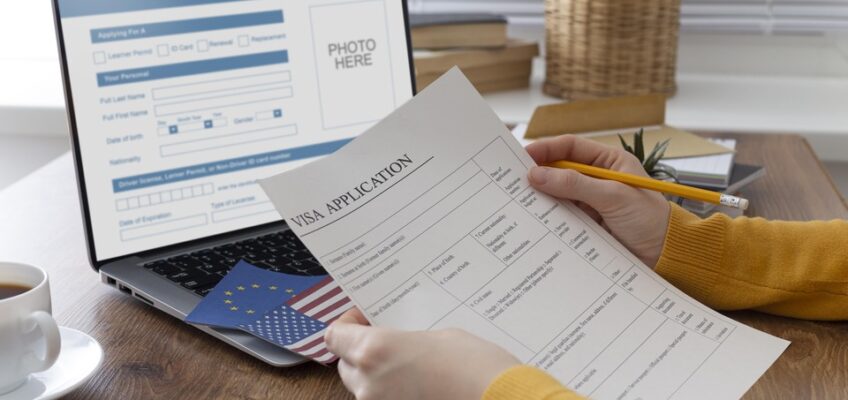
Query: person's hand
x=381, y=363
x=637, y=218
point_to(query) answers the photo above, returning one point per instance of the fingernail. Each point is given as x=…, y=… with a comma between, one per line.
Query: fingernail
x=539, y=175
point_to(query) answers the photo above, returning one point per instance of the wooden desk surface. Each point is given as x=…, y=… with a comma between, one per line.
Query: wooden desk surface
x=151, y=355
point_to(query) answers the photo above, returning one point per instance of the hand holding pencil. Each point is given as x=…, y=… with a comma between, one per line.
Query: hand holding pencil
x=636, y=217
x=642, y=182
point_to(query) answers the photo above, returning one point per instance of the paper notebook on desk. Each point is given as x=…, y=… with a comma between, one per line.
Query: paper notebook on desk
x=706, y=171
x=427, y=221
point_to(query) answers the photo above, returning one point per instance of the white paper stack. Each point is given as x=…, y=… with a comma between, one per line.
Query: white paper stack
x=707, y=171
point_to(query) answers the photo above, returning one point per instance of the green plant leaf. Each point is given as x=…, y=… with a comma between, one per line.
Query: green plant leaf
x=656, y=154
x=624, y=144
x=639, y=146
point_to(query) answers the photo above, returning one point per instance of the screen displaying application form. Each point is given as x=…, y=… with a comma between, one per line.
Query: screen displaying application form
x=180, y=106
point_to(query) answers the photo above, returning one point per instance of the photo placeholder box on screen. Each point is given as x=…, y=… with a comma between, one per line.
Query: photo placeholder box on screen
x=353, y=62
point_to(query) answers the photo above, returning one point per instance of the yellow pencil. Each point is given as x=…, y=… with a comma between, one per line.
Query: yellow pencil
x=656, y=185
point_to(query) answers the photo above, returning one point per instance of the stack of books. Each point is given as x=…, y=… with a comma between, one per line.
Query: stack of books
x=718, y=173
x=477, y=44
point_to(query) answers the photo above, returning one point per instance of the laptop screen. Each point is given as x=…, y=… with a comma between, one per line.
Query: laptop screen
x=178, y=107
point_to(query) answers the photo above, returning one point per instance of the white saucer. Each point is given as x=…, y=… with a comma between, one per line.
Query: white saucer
x=79, y=359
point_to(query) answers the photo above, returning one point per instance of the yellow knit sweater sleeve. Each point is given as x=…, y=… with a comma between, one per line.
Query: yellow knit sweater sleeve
x=524, y=382
x=793, y=269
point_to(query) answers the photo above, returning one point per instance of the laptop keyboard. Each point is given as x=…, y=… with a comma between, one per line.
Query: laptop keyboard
x=202, y=270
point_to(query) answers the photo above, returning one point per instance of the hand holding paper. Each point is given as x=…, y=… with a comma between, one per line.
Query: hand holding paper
x=458, y=238
x=625, y=210
x=387, y=363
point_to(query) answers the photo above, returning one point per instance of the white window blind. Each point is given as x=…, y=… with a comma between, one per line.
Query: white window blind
x=518, y=11
x=766, y=16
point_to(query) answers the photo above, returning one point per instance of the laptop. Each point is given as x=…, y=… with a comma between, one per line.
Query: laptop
x=177, y=107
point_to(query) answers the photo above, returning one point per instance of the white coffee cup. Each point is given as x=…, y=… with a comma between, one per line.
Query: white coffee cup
x=29, y=336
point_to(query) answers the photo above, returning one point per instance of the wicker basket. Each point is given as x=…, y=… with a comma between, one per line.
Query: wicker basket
x=605, y=48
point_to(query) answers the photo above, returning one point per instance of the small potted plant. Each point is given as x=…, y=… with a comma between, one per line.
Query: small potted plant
x=651, y=163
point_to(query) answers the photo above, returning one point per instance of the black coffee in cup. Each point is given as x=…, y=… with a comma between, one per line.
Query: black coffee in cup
x=11, y=290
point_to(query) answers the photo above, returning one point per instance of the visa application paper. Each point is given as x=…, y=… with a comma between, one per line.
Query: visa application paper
x=427, y=221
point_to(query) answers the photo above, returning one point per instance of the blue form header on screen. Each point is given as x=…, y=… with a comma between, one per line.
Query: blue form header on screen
x=225, y=166
x=154, y=29
x=82, y=8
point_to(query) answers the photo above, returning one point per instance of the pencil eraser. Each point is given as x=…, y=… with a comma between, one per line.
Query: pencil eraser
x=733, y=201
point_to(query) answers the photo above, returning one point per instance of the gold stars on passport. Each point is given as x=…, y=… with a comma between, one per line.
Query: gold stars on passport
x=229, y=302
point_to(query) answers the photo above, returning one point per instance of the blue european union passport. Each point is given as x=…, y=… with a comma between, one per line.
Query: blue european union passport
x=291, y=311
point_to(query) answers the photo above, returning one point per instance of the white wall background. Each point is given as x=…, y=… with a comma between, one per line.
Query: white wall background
x=30, y=82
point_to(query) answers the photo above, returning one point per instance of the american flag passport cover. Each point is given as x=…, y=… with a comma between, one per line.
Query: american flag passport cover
x=291, y=311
